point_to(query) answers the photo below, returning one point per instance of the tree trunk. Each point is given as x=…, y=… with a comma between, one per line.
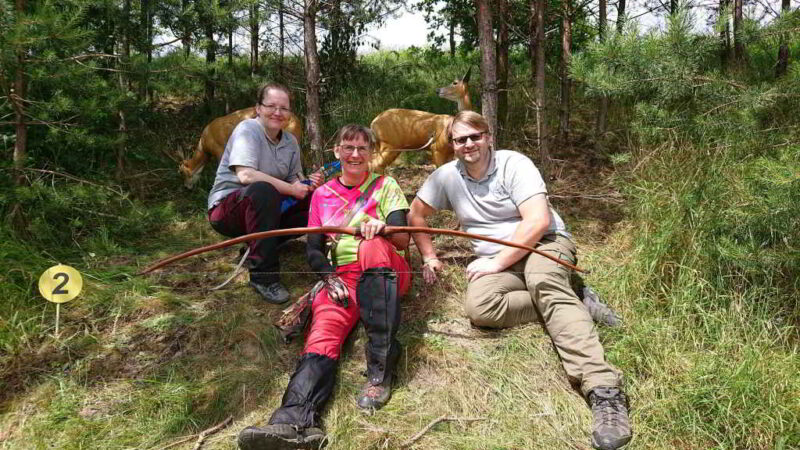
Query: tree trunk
x=726, y=50
x=620, y=16
x=186, y=40
x=566, y=54
x=738, y=45
x=538, y=64
x=281, y=38
x=313, y=133
x=488, y=66
x=17, y=100
x=230, y=48
x=211, y=58
x=125, y=36
x=502, y=63
x=452, y=37
x=125, y=32
x=602, y=107
x=146, y=23
x=783, y=49
x=254, y=31
x=673, y=6
x=122, y=146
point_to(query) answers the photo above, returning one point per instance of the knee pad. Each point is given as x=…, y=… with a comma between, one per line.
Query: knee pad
x=380, y=313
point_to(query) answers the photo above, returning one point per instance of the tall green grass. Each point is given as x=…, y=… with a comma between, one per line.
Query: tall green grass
x=712, y=263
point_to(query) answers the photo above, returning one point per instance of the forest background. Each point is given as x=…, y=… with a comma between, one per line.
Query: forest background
x=674, y=155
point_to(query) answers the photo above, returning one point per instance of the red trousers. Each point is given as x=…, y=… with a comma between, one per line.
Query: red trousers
x=331, y=323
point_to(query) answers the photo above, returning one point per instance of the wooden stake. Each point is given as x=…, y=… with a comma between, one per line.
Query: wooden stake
x=58, y=317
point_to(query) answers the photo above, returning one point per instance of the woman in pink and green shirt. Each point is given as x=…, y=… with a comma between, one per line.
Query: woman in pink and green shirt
x=363, y=279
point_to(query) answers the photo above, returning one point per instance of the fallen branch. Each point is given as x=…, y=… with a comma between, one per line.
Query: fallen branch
x=202, y=436
x=442, y=418
x=210, y=431
x=178, y=442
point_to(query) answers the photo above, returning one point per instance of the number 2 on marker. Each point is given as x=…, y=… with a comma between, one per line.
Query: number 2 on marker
x=58, y=289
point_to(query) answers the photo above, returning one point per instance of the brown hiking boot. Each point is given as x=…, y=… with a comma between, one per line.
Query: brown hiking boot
x=374, y=396
x=612, y=427
x=281, y=436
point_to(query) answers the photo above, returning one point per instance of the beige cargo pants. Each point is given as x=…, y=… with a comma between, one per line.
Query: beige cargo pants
x=536, y=286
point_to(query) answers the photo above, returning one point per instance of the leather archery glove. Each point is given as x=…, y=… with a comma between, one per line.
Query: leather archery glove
x=337, y=290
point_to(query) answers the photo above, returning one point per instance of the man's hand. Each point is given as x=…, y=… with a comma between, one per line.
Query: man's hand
x=481, y=267
x=300, y=190
x=316, y=179
x=337, y=290
x=429, y=269
x=372, y=228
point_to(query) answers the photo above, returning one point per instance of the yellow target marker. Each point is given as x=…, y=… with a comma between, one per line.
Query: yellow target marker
x=60, y=284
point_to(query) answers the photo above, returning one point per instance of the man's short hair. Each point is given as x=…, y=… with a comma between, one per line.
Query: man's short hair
x=262, y=91
x=470, y=118
x=353, y=130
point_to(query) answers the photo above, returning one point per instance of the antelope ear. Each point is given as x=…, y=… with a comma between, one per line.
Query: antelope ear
x=466, y=76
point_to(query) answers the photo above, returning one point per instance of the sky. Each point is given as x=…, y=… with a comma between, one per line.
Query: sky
x=408, y=29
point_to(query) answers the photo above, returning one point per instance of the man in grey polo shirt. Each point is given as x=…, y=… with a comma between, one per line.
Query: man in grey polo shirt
x=501, y=194
x=259, y=169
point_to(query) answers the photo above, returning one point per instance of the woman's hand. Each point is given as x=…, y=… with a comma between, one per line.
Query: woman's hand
x=372, y=228
x=316, y=179
x=300, y=190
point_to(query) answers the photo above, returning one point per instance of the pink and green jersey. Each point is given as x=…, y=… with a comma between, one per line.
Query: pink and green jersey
x=332, y=202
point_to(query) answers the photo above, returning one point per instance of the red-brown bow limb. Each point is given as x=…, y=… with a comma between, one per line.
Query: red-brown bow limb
x=354, y=231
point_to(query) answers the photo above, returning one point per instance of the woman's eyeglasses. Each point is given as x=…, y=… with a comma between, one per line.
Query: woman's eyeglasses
x=272, y=108
x=350, y=149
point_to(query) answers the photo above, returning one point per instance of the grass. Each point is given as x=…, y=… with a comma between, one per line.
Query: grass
x=147, y=362
x=696, y=249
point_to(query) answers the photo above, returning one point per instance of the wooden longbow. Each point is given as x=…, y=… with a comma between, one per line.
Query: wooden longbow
x=353, y=231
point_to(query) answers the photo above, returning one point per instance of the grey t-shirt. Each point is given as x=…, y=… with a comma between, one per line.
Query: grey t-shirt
x=248, y=146
x=488, y=207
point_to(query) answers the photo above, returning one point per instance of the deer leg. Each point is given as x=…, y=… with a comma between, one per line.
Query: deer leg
x=382, y=160
x=441, y=154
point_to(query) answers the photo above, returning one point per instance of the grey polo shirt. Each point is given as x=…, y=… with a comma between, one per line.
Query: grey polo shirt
x=248, y=146
x=489, y=206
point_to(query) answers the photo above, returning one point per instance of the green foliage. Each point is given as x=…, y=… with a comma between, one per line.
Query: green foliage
x=713, y=183
x=725, y=133
x=704, y=268
x=61, y=213
x=397, y=79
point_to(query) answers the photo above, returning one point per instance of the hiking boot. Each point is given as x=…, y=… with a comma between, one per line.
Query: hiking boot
x=374, y=396
x=600, y=312
x=274, y=293
x=612, y=428
x=281, y=436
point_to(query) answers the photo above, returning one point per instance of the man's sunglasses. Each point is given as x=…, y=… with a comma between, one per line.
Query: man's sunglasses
x=462, y=140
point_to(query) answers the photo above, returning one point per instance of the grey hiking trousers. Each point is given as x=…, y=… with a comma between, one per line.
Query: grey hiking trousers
x=537, y=287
